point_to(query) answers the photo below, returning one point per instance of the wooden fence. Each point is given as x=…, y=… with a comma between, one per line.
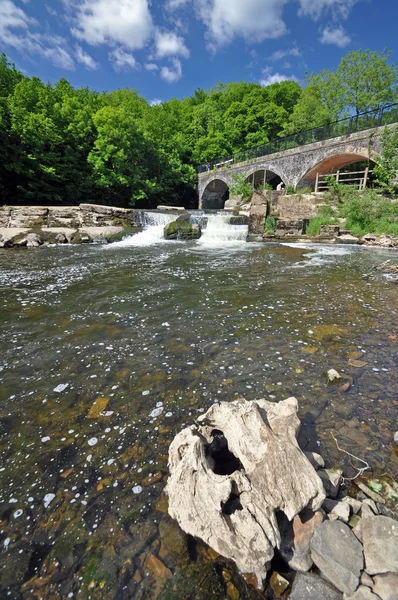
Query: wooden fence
x=357, y=178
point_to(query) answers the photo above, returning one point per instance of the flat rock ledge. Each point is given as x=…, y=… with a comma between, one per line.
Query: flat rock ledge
x=239, y=481
x=233, y=471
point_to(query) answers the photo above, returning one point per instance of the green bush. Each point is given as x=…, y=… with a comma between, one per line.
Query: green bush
x=270, y=225
x=290, y=189
x=314, y=225
x=370, y=212
x=241, y=187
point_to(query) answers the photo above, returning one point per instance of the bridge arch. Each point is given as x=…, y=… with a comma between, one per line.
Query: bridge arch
x=334, y=161
x=260, y=175
x=215, y=194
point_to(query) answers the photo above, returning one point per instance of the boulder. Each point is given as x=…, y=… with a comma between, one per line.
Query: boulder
x=386, y=586
x=296, y=538
x=316, y=460
x=308, y=586
x=347, y=238
x=239, y=220
x=181, y=230
x=33, y=240
x=220, y=468
x=380, y=543
x=341, y=511
x=338, y=554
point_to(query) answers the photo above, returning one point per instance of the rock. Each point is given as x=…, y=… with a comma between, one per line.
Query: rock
x=278, y=584
x=296, y=538
x=371, y=504
x=28, y=216
x=290, y=227
x=386, y=586
x=355, y=504
x=181, y=230
x=380, y=543
x=329, y=231
x=331, y=479
x=308, y=586
x=80, y=237
x=239, y=220
x=33, y=240
x=157, y=567
x=370, y=493
x=258, y=213
x=396, y=437
x=332, y=377
x=366, y=580
x=173, y=539
x=315, y=459
x=341, y=511
x=338, y=554
x=357, y=530
x=220, y=467
x=362, y=593
x=329, y=504
x=369, y=237
x=183, y=217
x=355, y=519
x=347, y=238
x=366, y=511
x=64, y=216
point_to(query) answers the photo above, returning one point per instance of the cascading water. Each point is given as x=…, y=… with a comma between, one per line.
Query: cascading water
x=153, y=224
x=219, y=231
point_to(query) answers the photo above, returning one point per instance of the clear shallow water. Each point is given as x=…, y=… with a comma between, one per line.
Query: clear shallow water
x=154, y=335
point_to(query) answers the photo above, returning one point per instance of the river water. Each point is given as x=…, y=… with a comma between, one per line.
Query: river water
x=107, y=351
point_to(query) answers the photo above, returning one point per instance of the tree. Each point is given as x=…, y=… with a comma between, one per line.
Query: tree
x=386, y=171
x=367, y=80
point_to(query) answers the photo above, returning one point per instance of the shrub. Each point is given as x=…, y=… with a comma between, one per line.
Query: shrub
x=386, y=171
x=290, y=189
x=270, y=225
x=370, y=212
x=241, y=187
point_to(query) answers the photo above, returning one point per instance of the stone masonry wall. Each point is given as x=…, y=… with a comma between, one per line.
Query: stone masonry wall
x=85, y=215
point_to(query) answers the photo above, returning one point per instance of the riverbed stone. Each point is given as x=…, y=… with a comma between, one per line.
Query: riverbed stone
x=341, y=511
x=309, y=586
x=338, y=554
x=33, y=240
x=219, y=468
x=258, y=213
x=362, y=593
x=380, y=542
x=331, y=479
x=386, y=586
x=296, y=538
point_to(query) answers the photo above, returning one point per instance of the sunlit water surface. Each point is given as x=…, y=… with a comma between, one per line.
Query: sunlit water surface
x=106, y=352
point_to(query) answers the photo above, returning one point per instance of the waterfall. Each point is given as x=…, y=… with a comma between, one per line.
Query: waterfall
x=219, y=231
x=153, y=224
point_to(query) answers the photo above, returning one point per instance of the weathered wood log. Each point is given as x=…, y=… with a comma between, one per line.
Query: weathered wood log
x=232, y=471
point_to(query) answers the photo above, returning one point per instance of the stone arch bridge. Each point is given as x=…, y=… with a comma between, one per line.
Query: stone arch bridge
x=293, y=167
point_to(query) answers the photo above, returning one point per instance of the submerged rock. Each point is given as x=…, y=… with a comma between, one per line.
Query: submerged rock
x=220, y=469
x=308, y=586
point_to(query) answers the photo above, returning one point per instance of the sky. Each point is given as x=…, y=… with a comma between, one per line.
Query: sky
x=168, y=48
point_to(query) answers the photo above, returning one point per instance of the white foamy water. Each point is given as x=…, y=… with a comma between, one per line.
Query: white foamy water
x=219, y=231
x=321, y=253
x=154, y=224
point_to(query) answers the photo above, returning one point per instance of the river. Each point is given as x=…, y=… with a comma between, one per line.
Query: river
x=108, y=351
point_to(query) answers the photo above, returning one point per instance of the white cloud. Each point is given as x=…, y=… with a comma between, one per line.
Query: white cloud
x=155, y=102
x=337, y=37
x=85, y=59
x=279, y=54
x=269, y=78
x=124, y=22
x=172, y=74
x=151, y=67
x=315, y=8
x=122, y=61
x=252, y=20
x=168, y=43
x=16, y=31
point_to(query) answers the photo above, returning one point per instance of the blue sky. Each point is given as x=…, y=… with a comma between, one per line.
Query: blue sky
x=168, y=48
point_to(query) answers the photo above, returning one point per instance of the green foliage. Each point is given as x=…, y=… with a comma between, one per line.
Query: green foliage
x=270, y=225
x=337, y=192
x=290, y=189
x=241, y=187
x=368, y=212
x=387, y=168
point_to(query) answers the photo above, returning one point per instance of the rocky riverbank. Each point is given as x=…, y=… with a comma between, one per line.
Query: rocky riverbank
x=239, y=482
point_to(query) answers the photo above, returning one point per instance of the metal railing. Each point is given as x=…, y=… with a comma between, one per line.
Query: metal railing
x=385, y=115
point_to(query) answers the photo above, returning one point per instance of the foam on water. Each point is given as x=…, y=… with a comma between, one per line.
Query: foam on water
x=152, y=233
x=219, y=231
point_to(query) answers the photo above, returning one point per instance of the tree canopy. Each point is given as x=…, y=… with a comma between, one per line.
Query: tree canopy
x=61, y=145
